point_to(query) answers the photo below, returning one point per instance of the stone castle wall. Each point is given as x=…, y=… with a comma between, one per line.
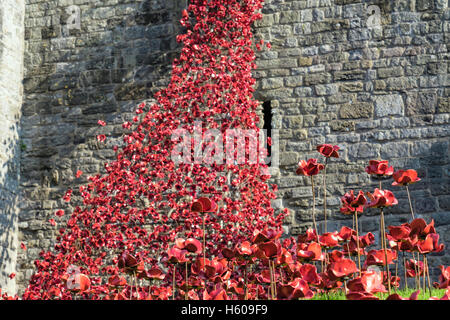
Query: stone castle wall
x=11, y=73
x=377, y=90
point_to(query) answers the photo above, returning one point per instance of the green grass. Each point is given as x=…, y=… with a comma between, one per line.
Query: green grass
x=405, y=293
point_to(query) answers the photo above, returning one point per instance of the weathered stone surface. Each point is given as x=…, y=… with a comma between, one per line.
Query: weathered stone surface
x=388, y=105
x=356, y=110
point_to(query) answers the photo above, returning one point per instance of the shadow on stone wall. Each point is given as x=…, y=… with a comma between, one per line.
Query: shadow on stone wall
x=121, y=56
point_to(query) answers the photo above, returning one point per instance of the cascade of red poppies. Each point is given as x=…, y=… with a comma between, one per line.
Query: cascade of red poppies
x=134, y=213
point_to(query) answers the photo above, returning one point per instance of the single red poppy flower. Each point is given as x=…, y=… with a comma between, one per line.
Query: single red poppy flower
x=309, y=236
x=117, y=281
x=309, y=274
x=328, y=150
x=310, y=168
x=204, y=205
x=298, y=288
x=176, y=255
x=430, y=244
x=379, y=168
x=352, y=203
x=399, y=232
x=312, y=251
x=342, y=268
x=127, y=261
x=444, y=278
x=405, y=177
x=330, y=239
x=420, y=228
x=414, y=267
x=369, y=282
x=266, y=235
x=377, y=257
x=381, y=199
x=193, y=245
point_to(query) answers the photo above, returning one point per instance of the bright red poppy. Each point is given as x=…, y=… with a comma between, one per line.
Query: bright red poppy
x=381, y=198
x=379, y=168
x=310, y=168
x=330, y=239
x=342, y=268
x=328, y=150
x=369, y=282
x=430, y=244
x=377, y=257
x=312, y=251
x=405, y=177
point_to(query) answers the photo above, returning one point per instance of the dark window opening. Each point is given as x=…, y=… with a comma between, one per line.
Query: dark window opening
x=267, y=111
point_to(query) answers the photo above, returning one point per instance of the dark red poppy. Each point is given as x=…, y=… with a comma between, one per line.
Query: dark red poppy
x=381, y=199
x=414, y=267
x=309, y=236
x=117, y=281
x=328, y=150
x=155, y=273
x=285, y=257
x=310, y=168
x=193, y=245
x=420, y=228
x=379, y=168
x=204, y=205
x=268, y=250
x=352, y=203
x=217, y=294
x=405, y=177
x=295, y=289
x=127, y=261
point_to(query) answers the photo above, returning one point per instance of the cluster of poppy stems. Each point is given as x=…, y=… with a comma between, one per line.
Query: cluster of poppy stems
x=152, y=230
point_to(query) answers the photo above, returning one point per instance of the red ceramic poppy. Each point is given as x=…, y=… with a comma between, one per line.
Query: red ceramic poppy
x=405, y=177
x=370, y=281
x=346, y=233
x=396, y=296
x=176, y=255
x=377, y=257
x=266, y=235
x=352, y=203
x=379, y=168
x=342, y=268
x=204, y=205
x=309, y=273
x=117, y=281
x=328, y=150
x=217, y=294
x=310, y=168
x=295, y=289
x=127, y=261
x=284, y=258
x=312, y=251
x=381, y=199
x=444, y=278
x=193, y=245
x=309, y=236
x=268, y=250
x=399, y=232
x=430, y=244
x=414, y=267
x=420, y=228
x=82, y=283
x=330, y=239
x=361, y=296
